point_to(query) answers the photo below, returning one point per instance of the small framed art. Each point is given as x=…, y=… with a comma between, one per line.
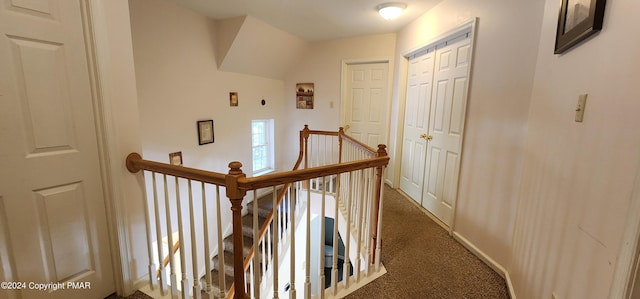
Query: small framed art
x=304, y=95
x=205, y=132
x=175, y=158
x=233, y=99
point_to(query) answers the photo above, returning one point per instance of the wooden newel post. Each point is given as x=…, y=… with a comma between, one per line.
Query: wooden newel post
x=382, y=152
x=236, y=195
x=305, y=137
x=340, y=133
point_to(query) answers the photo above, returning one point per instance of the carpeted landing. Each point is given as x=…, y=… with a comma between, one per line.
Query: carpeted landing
x=136, y=295
x=423, y=261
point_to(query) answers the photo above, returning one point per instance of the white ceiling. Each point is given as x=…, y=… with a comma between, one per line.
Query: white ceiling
x=313, y=20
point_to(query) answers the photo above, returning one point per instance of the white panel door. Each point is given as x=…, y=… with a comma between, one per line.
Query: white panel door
x=53, y=227
x=367, y=102
x=416, y=122
x=446, y=123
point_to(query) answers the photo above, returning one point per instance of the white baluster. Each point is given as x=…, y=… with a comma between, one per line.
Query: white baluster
x=379, y=228
x=360, y=225
x=292, y=229
x=269, y=248
x=207, y=249
x=181, y=241
x=194, y=248
x=347, y=241
x=367, y=223
x=334, y=267
x=221, y=275
x=322, y=240
x=162, y=275
x=172, y=269
x=307, y=282
x=147, y=223
x=275, y=246
x=256, y=235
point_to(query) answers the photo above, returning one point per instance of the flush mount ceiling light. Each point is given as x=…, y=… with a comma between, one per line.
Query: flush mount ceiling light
x=390, y=11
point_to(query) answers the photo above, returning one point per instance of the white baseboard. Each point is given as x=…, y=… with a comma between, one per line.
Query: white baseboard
x=487, y=260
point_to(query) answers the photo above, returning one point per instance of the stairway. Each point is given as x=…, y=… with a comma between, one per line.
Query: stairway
x=265, y=205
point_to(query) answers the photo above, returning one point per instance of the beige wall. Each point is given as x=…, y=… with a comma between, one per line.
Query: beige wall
x=500, y=87
x=322, y=65
x=577, y=178
x=179, y=83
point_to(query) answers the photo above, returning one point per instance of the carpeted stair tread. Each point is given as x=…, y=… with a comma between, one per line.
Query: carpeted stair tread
x=247, y=242
x=247, y=224
x=228, y=263
x=265, y=205
x=215, y=282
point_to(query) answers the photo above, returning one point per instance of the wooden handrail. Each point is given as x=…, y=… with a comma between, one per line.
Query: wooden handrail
x=263, y=181
x=355, y=142
x=309, y=173
x=135, y=163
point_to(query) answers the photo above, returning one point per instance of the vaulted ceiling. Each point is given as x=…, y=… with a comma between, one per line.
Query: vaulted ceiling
x=313, y=20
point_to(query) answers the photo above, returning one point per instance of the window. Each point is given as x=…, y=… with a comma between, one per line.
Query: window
x=262, y=144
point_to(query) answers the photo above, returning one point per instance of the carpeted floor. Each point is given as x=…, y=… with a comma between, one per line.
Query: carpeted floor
x=423, y=261
x=136, y=295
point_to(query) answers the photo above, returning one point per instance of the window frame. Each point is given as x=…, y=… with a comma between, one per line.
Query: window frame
x=268, y=144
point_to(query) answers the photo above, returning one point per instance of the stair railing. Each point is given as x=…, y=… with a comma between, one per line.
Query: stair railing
x=321, y=148
x=169, y=186
x=354, y=182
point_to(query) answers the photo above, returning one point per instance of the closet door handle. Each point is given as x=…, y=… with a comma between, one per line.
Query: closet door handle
x=425, y=136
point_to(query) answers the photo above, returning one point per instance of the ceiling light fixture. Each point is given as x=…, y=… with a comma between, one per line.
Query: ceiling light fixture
x=391, y=10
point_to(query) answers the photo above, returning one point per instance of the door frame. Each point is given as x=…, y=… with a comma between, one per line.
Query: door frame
x=95, y=19
x=470, y=26
x=626, y=269
x=343, y=90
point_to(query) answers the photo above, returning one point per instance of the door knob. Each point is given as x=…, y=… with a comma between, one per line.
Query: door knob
x=425, y=136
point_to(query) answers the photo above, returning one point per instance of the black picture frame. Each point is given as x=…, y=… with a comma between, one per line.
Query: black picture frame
x=205, y=132
x=576, y=22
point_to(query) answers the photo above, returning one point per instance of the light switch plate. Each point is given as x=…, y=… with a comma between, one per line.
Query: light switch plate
x=582, y=102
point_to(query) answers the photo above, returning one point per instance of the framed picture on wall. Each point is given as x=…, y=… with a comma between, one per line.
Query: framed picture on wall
x=304, y=95
x=205, y=132
x=577, y=20
x=175, y=158
x=233, y=99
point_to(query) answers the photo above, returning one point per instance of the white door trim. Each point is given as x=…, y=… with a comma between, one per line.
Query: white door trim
x=96, y=39
x=343, y=92
x=467, y=26
x=629, y=254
